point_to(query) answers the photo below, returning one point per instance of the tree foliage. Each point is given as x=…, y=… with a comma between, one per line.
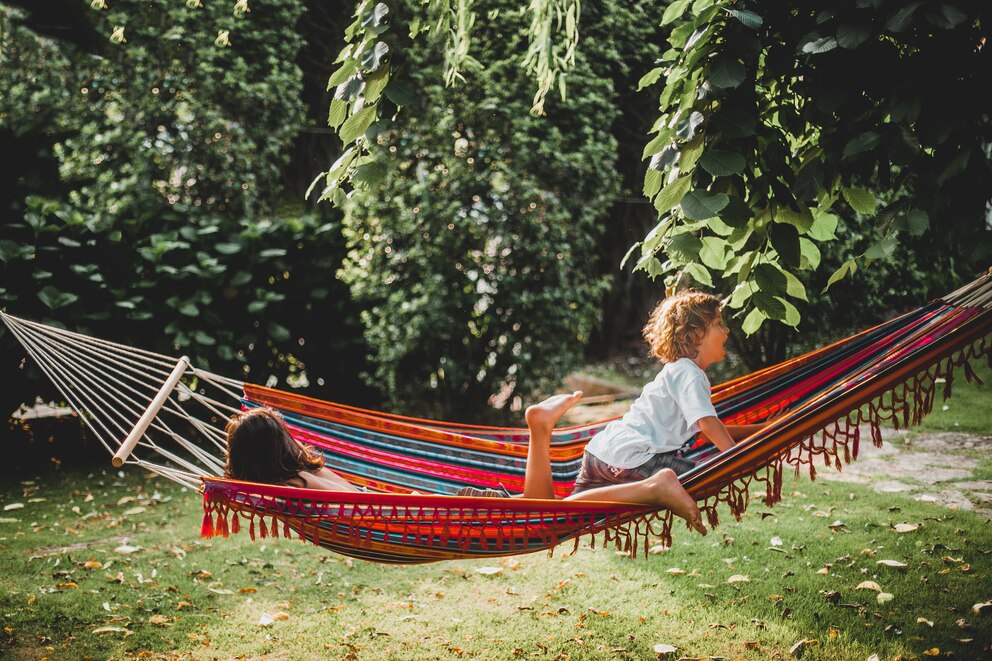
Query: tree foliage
x=143, y=202
x=473, y=227
x=777, y=122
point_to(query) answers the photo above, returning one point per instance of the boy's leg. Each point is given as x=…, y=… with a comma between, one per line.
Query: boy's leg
x=662, y=489
x=541, y=419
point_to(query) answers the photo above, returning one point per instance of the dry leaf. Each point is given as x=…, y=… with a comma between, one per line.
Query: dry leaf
x=837, y=525
x=658, y=548
x=905, y=527
x=32, y=599
x=92, y=564
x=489, y=571
x=983, y=608
x=247, y=590
x=883, y=597
x=159, y=620
x=663, y=650
x=933, y=651
x=822, y=570
x=133, y=511
x=738, y=578
x=869, y=585
x=13, y=506
x=873, y=657
x=892, y=563
x=265, y=620
x=923, y=620
x=776, y=541
x=69, y=584
x=675, y=571
x=280, y=616
x=112, y=630
x=799, y=648
x=126, y=549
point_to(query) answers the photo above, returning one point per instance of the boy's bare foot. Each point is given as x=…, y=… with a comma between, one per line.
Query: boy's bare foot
x=542, y=417
x=673, y=495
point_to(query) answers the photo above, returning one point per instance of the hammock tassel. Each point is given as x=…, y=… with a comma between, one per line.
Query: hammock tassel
x=207, y=529
x=235, y=524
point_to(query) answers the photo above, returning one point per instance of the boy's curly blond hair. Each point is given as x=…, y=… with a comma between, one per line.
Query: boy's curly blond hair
x=679, y=323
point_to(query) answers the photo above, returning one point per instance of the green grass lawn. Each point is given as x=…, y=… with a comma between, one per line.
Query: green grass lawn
x=100, y=564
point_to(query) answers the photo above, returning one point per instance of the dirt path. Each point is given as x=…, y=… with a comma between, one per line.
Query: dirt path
x=936, y=467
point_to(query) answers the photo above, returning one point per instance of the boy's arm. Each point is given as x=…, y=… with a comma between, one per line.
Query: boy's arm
x=712, y=429
x=716, y=433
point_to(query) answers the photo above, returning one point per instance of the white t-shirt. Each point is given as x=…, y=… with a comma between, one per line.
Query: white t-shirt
x=662, y=419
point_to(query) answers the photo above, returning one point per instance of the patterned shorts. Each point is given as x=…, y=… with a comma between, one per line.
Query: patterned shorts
x=596, y=473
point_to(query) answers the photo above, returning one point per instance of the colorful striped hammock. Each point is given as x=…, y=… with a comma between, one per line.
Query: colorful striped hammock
x=886, y=373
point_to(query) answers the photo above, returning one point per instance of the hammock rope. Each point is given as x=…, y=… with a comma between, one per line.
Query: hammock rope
x=888, y=373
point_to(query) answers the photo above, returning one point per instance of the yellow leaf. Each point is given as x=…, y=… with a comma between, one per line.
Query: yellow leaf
x=892, y=563
x=933, y=651
x=905, y=527
x=92, y=564
x=883, y=597
x=869, y=585
x=70, y=584
x=738, y=578
x=923, y=620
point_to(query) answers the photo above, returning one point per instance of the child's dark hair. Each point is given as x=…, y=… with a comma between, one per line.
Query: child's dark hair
x=679, y=323
x=260, y=449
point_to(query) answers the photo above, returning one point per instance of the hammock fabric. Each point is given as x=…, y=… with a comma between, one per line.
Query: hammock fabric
x=888, y=372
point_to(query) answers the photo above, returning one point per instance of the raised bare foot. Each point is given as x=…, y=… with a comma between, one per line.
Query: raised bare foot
x=542, y=417
x=673, y=495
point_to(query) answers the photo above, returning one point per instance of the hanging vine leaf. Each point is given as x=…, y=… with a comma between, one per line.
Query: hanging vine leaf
x=701, y=204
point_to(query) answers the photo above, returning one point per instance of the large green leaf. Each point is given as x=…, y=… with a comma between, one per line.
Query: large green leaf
x=714, y=253
x=850, y=266
x=727, y=73
x=701, y=204
x=769, y=305
x=811, y=254
x=684, y=247
x=674, y=11
x=687, y=127
x=785, y=240
x=824, y=227
x=861, y=143
x=851, y=36
x=737, y=212
x=652, y=182
x=748, y=18
x=664, y=159
x=700, y=274
x=672, y=194
x=903, y=17
x=770, y=279
x=753, y=321
x=356, y=124
x=818, y=46
x=374, y=57
x=861, y=200
x=55, y=299
x=720, y=163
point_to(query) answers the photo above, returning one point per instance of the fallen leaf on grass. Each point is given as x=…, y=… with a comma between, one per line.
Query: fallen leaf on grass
x=983, y=608
x=126, y=632
x=933, y=651
x=13, y=506
x=126, y=549
x=799, y=648
x=869, y=585
x=8, y=520
x=159, y=620
x=738, y=578
x=892, y=563
x=675, y=571
x=68, y=584
x=247, y=590
x=489, y=571
x=221, y=591
x=883, y=597
x=837, y=525
x=663, y=650
x=267, y=619
x=776, y=541
x=92, y=564
x=657, y=549
x=752, y=645
x=905, y=527
x=923, y=620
